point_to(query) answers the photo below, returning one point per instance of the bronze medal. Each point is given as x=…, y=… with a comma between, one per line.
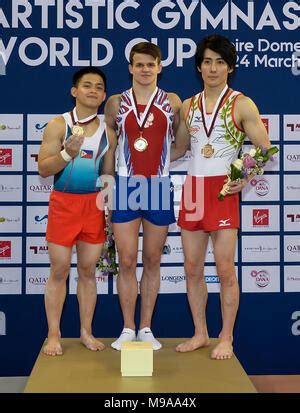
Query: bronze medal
x=207, y=151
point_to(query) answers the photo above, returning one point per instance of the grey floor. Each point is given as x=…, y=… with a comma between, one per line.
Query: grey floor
x=12, y=384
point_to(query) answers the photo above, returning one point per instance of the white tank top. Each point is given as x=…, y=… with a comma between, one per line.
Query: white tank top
x=226, y=137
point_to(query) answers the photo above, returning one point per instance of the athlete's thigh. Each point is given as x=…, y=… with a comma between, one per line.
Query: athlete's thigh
x=154, y=237
x=194, y=245
x=126, y=236
x=224, y=243
x=88, y=254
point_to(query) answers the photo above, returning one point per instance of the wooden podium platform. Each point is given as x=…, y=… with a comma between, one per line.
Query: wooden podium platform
x=83, y=371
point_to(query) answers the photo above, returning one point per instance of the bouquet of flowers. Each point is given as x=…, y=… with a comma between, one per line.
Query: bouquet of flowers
x=251, y=163
x=107, y=262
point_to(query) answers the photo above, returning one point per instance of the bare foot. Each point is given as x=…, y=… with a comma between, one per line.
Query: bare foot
x=223, y=350
x=53, y=347
x=193, y=343
x=90, y=342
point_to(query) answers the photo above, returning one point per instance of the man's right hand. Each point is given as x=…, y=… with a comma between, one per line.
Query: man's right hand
x=73, y=145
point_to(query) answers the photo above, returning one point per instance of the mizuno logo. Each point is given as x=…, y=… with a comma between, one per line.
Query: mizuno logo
x=224, y=223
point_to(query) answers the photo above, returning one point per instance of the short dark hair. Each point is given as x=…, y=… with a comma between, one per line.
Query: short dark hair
x=86, y=70
x=219, y=44
x=146, y=48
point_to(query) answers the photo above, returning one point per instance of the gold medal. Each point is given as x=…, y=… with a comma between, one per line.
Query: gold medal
x=140, y=144
x=77, y=130
x=207, y=151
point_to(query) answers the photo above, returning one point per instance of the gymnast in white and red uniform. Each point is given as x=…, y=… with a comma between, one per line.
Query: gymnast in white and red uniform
x=213, y=125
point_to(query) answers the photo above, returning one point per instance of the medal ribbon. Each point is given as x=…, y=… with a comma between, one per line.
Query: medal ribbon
x=215, y=111
x=142, y=121
x=84, y=121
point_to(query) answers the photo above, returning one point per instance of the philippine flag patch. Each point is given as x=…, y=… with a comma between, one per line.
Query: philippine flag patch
x=86, y=154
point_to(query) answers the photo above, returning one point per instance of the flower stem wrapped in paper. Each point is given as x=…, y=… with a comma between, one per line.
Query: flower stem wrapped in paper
x=107, y=262
x=250, y=164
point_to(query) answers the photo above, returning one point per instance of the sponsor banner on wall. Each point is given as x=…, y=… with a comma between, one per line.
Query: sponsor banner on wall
x=264, y=248
x=11, y=158
x=101, y=282
x=10, y=219
x=291, y=157
x=11, y=127
x=11, y=188
x=271, y=123
x=292, y=217
x=291, y=187
x=178, y=181
x=10, y=250
x=36, y=279
x=181, y=164
x=37, y=251
x=10, y=280
x=36, y=125
x=32, y=157
x=172, y=251
x=38, y=188
x=291, y=127
x=260, y=218
x=262, y=188
x=292, y=278
x=271, y=165
x=174, y=227
x=37, y=218
x=261, y=279
x=292, y=248
x=172, y=280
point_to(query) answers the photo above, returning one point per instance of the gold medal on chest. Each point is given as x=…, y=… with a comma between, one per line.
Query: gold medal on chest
x=207, y=151
x=140, y=144
x=77, y=130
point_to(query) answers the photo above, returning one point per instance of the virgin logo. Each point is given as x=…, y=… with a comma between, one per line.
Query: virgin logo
x=260, y=217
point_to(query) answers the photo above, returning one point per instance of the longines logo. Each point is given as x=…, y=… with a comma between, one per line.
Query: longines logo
x=262, y=186
x=262, y=277
x=4, y=188
x=2, y=324
x=173, y=278
x=261, y=248
x=260, y=217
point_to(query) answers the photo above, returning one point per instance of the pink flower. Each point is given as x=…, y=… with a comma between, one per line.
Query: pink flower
x=249, y=162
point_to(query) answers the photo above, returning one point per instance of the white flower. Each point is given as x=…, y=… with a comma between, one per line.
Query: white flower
x=238, y=163
x=252, y=152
